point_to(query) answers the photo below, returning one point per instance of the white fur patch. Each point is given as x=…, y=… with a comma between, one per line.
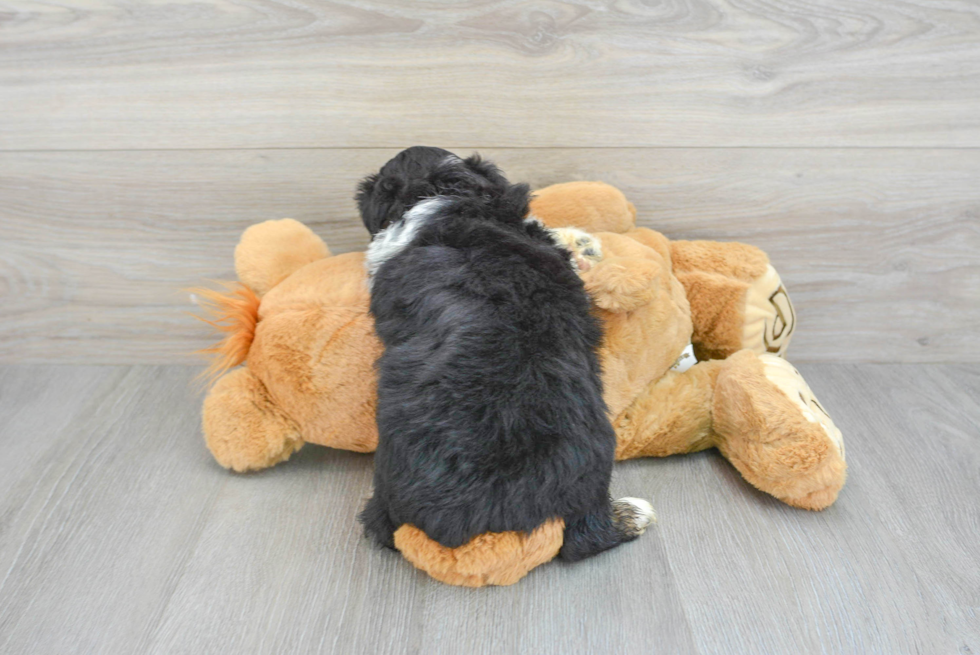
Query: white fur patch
x=644, y=512
x=393, y=239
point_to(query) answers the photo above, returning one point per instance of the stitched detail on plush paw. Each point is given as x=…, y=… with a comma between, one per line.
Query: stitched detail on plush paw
x=770, y=319
x=782, y=374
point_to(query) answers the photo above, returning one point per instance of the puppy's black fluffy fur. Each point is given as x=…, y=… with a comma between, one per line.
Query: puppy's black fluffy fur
x=490, y=409
x=423, y=172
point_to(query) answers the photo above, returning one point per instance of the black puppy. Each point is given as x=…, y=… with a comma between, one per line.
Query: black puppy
x=422, y=172
x=490, y=409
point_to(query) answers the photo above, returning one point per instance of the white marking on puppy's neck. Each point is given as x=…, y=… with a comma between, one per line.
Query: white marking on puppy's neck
x=393, y=239
x=534, y=220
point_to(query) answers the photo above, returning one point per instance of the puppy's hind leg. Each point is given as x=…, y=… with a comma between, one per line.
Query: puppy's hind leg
x=377, y=522
x=613, y=523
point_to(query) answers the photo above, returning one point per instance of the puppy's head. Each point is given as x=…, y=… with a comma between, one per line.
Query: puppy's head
x=421, y=172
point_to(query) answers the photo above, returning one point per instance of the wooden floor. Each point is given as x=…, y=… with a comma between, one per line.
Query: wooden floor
x=118, y=534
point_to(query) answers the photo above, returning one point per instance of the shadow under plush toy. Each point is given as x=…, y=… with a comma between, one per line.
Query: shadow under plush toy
x=692, y=359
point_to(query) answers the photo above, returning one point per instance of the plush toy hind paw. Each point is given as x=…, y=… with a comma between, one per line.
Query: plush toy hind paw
x=243, y=428
x=782, y=374
x=774, y=431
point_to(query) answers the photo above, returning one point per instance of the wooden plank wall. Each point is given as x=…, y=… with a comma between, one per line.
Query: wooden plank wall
x=137, y=140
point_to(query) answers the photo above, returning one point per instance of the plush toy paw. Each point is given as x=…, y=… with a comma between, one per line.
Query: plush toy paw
x=775, y=432
x=270, y=252
x=591, y=206
x=492, y=558
x=243, y=428
x=586, y=249
x=633, y=515
x=782, y=374
x=737, y=298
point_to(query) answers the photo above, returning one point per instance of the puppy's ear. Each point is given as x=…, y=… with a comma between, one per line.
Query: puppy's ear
x=365, y=189
x=515, y=200
x=371, y=207
x=486, y=170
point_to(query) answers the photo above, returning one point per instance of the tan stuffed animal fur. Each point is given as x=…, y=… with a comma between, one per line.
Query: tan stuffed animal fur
x=300, y=322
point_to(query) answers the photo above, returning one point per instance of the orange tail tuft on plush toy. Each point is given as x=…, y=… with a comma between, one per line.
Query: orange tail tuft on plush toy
x=234, y=313
x=244, y=427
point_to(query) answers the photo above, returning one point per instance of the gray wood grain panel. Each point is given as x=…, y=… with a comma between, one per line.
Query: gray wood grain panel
x=99, y=519
x=119, y=535
x=877, y=246
x=95, y=74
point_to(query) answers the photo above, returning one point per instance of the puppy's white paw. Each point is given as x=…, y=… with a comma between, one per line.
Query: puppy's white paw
x=586, y=248
x=633, y=515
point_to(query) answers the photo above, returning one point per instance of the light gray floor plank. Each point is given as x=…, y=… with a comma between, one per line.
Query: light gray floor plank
x=282, y=567
x=890, y=568
x=624, y=601
x=29, y=437
x=877, y=245
x=97, y=525
x=96, y=74
x=120, y=535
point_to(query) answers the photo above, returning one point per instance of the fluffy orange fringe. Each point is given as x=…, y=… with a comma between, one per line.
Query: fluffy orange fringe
x=234, y=313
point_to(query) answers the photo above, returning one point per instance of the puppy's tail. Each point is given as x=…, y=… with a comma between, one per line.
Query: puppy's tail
x=234, y=313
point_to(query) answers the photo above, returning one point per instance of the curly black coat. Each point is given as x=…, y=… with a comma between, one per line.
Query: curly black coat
x=490, y=409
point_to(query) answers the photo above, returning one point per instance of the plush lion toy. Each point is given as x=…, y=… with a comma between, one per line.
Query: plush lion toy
x=692, y=359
